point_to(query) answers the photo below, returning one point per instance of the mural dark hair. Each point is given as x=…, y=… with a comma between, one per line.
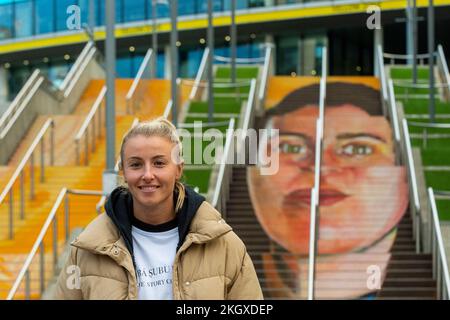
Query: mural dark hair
x=338, y=93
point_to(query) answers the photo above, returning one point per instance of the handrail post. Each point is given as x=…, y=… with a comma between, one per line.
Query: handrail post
x=22, y=196
x=86, y=147
x=55, y=244
x=11, y=214
x=42, y=161
x=27, y=285
x=32, y=177
x=42, y=266
x=66, y=216
x=52, y=143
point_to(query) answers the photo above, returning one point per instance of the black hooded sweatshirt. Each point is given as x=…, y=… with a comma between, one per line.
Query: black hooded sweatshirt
x=119, y=207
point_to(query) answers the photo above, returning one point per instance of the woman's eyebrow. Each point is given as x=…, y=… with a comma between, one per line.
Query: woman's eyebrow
x=295, y=134
x=359, y=135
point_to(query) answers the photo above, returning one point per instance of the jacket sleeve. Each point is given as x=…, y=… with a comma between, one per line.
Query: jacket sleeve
x=246, y=285
x=69, y=280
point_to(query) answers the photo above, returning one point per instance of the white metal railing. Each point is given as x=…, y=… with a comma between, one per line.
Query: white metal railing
x=440, y=264
x=90, y=121
x=425, y=126
x=76, y=66
x=443, y=67
x=315, y=191
x=19, y=173
x=134, y=95
x=240, y=60
x=168, y=109
x=383, y=79
x=201, y=74
x=6, y=117
x=413, y=187
x=51, y=223
x=265, y=75
x=102, y=200
x=249, y=116
x=405, y=57
x=79, y=71
x=394, y=113
x=222, y=187
x=12, y=117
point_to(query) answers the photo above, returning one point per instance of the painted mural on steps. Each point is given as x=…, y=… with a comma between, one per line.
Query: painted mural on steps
x=363, y=193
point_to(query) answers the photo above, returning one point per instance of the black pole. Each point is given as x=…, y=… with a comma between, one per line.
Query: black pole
x=174, y=59
x=431, y=50
x=210, y=61
x=415, y=43
x=233, y=34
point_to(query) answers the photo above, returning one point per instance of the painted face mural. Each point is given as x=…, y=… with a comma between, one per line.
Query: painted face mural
x=363, y=194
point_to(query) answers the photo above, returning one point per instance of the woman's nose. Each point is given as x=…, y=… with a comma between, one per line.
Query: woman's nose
x=148, y=173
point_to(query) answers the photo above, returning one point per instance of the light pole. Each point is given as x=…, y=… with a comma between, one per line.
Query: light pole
x=414, y=40
x=109, y=175
x=91, y=18
x=174, y=58
x=431, y=104
x=233, y=34
x=155, y=35
x=210, y=39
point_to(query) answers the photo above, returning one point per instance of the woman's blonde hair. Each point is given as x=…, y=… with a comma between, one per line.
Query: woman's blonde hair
x=160, y=127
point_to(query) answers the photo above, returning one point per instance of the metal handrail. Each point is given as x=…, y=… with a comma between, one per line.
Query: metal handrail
x=19, y=172
x=412, y=183
x=84, y=128
x=200, y=74
x=218, y=84
x=39, y=244
x=265, y=76
x=250, y=106
x=315, y=191
x=203, y=124
x=5, y=117
x=240, y=60
x=221, y=189
x=130, y=97
x=442, y=62
x=406, y=56
x=21, y=108
x=429, y=125
x=168, y=109
x=382, y=75
x=79, y=71
x=393, y=111
x=406, y=84
x=440, y=264
x=76, y=65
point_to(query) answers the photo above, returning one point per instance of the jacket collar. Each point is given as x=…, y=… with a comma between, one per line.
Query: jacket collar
x=103, y=235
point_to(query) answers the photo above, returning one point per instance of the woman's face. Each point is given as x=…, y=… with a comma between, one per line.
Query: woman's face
x=149, y=171
x=362, y=193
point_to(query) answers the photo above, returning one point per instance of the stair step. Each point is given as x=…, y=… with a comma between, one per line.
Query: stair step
x=409, y=282
x=407, y=292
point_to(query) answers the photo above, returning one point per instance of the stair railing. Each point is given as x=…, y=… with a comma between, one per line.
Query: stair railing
x=222, y=188
x=406, y=57
x=415, y=206
x=265, y=76
x=94, y=120
x=249, y=116
x=19, y=173
x=201, y=75
x=443, y=68
x=134, y=96
x=50, y=224
x=383, y=80
x=440, y=262
x=315, y=191
x=393, y=116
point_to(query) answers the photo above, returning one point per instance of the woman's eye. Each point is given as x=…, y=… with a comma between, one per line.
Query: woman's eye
x=292, y=148
x=356, y=150
x=159, y=163
x=134, y=165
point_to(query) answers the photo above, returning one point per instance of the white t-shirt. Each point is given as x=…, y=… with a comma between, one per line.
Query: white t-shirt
x=154, y=253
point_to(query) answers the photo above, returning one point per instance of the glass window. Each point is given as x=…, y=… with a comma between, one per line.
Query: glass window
x=135, y=10
x=44, y=16
x=6, y=21
x=186, y=7
x=101, y=10
x=119, y=10
x=160, y=65
x=162, y=8
x=24, y=19
x=124, y=66
x=61, y=13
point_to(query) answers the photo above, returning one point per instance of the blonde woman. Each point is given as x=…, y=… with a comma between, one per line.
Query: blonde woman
x=158, y=238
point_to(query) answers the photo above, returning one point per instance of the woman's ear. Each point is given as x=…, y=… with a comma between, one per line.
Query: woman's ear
x=179, y=170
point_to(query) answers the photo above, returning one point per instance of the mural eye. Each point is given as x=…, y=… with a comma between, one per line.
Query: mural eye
x=356, y=150
x=292, y=148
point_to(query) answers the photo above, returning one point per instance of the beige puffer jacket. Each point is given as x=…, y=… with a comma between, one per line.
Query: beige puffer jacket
x=211, y=263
